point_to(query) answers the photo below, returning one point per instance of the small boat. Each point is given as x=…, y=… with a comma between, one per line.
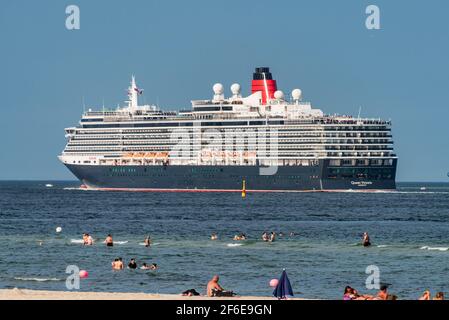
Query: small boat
x=423, y=188
x=49, y=185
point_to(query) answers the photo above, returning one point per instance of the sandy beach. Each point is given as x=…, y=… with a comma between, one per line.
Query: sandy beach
x=25, y=294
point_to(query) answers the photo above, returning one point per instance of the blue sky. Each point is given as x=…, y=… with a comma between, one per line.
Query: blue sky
x=179, y=49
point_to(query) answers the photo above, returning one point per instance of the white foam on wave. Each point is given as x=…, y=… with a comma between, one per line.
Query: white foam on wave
x=76, y=189
x=435, y=248
x=121, y=242
x=383, y=246
x=37, y=279
x=234, y=244
x=153, y=244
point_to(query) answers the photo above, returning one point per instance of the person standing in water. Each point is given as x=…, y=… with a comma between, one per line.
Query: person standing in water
x=265, y=237
x=147, y=241
x=214, y=236
x=366, y=240
x=109, y=242
x=272, y=236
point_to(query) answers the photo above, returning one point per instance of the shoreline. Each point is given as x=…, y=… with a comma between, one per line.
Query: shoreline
x=27, y=294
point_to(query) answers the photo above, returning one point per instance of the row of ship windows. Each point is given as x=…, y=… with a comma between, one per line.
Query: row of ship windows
x=320, y=131
x=240, y=142
x=360, y=162
x=245, y=134
x=367, y=173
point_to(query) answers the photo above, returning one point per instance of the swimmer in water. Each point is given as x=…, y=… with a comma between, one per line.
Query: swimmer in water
x=117, y=264
x=109, y=242
x=153, y=266
x=132, y=264
x=265, y=237
x=147, y=241
x=145, y=266
x=240, y=237
x=88, y=240
x=214, y=236
x=85, y=238
x=272, y=236
x=366, y=241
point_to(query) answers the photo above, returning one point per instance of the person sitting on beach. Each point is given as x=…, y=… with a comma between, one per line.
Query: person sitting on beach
x=347, y=295
x=439, y=296
x=213, y=287
x=214, y=236
x=366, y=241
x=425, y=296
x=132, y=264
x=109, y=242
x=265, y=237
x=272, y=236
x=147, y=241
x=382, y=294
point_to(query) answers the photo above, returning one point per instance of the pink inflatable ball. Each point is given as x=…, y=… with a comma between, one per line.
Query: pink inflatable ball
x=274, y=283
x=84, y=274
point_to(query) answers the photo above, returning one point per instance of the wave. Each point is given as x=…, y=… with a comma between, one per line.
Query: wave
x=37, y=279
x=153, y=244
x=76, y=189
x=383, y=246
x=234, y=244
x=435, y=248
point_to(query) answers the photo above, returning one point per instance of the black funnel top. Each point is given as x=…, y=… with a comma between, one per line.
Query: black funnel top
x=258, y=75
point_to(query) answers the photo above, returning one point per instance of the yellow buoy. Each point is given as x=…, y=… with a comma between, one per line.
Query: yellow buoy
x=243, y=189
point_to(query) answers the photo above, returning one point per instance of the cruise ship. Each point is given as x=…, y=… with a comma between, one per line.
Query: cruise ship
x=266, y=141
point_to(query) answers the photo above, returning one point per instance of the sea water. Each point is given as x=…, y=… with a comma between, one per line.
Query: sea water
x=409, y=231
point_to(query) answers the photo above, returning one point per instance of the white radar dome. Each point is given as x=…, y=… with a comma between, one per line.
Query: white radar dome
x=296, y=94
x=218, y=88
x=279, y=95
x=235, y=89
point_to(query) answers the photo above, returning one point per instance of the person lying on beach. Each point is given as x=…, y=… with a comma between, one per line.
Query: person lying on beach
x=366, y=241
x=425, y=296
x=147, y=241
x=213, y=287
x=132, y=264
x=109, y=242
x=352, y=294
x=190, y=293
x=213, y=236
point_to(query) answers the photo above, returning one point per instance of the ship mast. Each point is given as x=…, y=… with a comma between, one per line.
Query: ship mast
x=133, y=92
